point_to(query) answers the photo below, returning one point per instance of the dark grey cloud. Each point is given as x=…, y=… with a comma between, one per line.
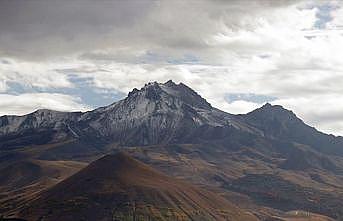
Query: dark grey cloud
x=30, y=28
x=44, y=28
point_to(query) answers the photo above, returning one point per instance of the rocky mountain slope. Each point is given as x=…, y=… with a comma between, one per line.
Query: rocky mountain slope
x=155, y=114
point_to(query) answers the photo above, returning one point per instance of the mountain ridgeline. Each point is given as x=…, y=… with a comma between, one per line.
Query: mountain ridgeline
x=159, y=114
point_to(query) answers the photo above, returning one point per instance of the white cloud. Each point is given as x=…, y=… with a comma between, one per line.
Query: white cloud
x=3, y=86
x=337, y=18
x=26, y=103
x=33, y=74
x=236, y=107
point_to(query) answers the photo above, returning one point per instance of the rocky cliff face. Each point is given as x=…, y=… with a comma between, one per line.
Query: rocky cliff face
x=39, y=119
x=155, y=114
x=151, y=115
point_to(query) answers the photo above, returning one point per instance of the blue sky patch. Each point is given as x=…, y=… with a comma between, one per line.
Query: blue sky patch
x=250, y=97
x=89, y=95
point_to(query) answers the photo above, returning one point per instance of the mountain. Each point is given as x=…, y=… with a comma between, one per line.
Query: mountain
x=40, y=127
x=119, y=187
x=159, y=114
x=155, y=114
x=171, y=128
x=279, y=123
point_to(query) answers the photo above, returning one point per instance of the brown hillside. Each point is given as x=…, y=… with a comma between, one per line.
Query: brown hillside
x=118, y=187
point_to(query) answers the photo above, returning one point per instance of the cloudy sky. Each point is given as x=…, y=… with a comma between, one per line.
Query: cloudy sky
x=78, y=55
